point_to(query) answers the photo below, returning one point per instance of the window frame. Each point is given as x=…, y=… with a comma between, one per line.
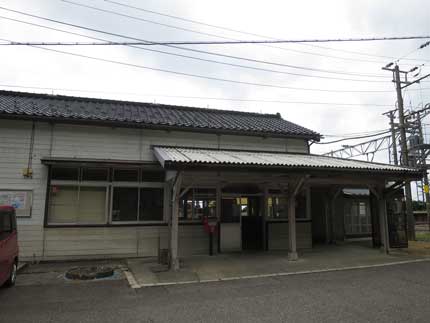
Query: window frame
x=308, y=211
x=78, y=185
x=109, y=186
x=192, y=220
x=273, y=219
x=138, y=186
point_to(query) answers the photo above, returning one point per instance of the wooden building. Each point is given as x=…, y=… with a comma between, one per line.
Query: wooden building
x=94, y=178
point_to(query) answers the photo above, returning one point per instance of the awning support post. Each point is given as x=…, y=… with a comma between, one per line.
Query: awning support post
x=264, y=215
x=383, y=217
x=174, y=223
x=292, y=239
x=335, y=194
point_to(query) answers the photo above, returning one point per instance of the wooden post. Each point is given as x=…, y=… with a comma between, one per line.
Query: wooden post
x=264, y=217
x=293, y=190
x=174, y=228
x=383, y=221
x=333, y=221
x=218, y=214
x=308, y=203
x=327, y=219
x=382, y=206
x=292, y=239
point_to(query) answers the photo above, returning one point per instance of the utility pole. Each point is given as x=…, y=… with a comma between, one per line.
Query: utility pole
x=390, y=114
x=404, y=149
x=403, y=140
x=404, y=154
x=424, y=166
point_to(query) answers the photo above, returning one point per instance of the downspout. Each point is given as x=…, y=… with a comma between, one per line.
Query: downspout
x=28, y=172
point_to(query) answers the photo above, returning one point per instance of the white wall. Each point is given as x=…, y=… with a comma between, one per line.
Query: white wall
x=76, y=141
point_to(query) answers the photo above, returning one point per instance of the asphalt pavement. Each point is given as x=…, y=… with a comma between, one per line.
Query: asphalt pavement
x=399, y=293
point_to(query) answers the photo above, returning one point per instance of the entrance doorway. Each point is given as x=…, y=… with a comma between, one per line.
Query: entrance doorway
x=241, y=223
x=252, y=225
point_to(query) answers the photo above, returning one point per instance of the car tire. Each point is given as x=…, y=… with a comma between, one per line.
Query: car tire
x=12, y=279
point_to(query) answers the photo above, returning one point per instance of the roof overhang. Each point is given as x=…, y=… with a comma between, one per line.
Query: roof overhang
x=181, y=158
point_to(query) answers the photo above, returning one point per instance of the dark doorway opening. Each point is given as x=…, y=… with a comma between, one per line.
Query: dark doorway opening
x=252, y=225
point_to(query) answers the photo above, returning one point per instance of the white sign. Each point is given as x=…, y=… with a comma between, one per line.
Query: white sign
x=20, y=200
x=17, y=199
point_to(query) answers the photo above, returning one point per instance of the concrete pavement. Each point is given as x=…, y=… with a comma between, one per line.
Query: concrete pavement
x=387, y=294
x=244, y=265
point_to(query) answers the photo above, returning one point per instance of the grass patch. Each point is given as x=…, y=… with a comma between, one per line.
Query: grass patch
x=423, y=236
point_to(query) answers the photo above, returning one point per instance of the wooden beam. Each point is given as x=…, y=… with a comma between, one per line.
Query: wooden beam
x=375, y=192
x=185, y=190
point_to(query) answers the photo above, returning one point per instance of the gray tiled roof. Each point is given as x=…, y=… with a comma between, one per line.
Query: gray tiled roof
x=199, y=156
x=77, y=109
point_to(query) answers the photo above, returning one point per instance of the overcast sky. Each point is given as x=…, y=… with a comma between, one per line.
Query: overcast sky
x=32, y=67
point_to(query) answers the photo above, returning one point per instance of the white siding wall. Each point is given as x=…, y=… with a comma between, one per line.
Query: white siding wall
x=75, y=141
x=14, y=153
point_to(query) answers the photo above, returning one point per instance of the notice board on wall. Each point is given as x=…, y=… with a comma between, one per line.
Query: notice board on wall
x=21, y=200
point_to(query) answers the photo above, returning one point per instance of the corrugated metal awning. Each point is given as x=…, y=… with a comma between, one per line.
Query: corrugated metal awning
x=171, y=157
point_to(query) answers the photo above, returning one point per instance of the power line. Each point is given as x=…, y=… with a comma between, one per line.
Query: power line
x=352, y=138
x=248, y=33
x=180, y=55
x=212, y=42
x=203, y=76
x=427, y=43
x=191, y=49
x=207, y=34
x=197, y=32
x=354, y=134
x=347, y=104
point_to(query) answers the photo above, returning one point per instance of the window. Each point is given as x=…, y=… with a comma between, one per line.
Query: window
x=78, y=195
x=151, y=204
x=357, y=217
x=301, y=206
x=63, y=204
x=204, y=203
x=77, y=205
x=95, y=174
x=277, y=207
x=230, y=210
x=99, y=195
x=65, y=173
x=152, y=176
x=126, y=175
x=198, y=203
x=125, y=203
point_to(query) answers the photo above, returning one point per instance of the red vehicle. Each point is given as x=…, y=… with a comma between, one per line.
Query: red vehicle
x=8, y=246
